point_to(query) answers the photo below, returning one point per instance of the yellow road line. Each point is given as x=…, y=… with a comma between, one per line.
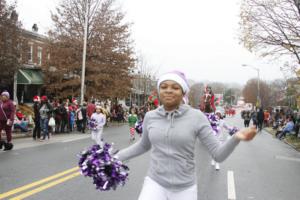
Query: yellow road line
x=44, y=187
x=28, y=186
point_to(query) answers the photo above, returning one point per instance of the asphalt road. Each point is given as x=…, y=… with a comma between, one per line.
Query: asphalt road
x=264, y=169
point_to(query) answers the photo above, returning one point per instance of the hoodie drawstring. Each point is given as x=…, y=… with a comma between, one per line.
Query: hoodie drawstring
x=170, y=116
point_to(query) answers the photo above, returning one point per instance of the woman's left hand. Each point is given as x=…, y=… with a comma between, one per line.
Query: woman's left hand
x=246, y=134
x=9, y=122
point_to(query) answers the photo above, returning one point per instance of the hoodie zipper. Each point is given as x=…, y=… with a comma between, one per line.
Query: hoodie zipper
x=170, y=118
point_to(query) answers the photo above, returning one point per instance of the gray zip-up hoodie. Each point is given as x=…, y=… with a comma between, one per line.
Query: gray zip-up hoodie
x=171, y=136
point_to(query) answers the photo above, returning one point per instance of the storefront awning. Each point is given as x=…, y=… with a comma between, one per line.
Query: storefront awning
x=30, y=77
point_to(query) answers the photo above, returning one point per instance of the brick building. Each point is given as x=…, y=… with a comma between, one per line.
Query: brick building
x=28, y=81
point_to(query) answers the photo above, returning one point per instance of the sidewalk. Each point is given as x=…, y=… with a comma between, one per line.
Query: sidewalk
x=18, y=134
x=22, y=141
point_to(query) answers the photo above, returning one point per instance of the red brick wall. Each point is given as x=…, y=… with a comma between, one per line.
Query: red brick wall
x=35, y=44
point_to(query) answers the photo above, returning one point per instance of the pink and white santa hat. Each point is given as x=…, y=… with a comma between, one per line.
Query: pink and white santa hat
x=178, y=77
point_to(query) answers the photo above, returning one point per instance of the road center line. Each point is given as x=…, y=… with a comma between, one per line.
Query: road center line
x=231, y=186
x=28, y=186
x=288, y=158
x=46, y=186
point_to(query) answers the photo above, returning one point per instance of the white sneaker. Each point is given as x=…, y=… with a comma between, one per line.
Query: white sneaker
x=217, y=166
x=213, y=162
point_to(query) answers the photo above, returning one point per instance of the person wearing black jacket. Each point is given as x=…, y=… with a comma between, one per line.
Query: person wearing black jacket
x=37, y=126
x=81, y=116
x=64, y=117
x=260, y=119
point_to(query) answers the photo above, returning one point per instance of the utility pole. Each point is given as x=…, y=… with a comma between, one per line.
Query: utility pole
x=15, y=87
x=84, y=53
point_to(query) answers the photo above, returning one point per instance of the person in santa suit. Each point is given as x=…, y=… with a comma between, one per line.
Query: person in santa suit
x=209, y=99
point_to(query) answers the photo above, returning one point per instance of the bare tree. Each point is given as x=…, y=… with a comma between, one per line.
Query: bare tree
x=218, y=88
x=271, y=28
x=278, y=92
x=146, y=76
x=10, y=40
x=250, y=92
x=110, y=56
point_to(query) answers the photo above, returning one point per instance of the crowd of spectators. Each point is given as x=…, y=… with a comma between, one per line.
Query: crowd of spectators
x=285, y=121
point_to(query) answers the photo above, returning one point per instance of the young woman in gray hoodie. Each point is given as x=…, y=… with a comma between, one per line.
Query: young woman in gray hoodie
x=170, y=132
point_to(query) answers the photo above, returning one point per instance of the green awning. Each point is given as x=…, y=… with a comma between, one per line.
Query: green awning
x=30, y=77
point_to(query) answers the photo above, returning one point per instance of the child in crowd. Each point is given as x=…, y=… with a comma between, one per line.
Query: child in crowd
x=72, y=119
x=132, y=119
x=96, y=123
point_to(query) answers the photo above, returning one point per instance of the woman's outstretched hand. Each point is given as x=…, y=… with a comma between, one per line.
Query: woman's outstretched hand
x=246, y=134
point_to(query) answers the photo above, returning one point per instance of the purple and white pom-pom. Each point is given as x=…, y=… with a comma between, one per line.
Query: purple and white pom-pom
x=107, y=171
x=139, y=127
x=92, y=124
x=214, y=122
x=233, y=130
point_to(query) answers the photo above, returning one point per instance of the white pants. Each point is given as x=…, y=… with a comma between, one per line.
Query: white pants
x=153, y=191
x=97, y=136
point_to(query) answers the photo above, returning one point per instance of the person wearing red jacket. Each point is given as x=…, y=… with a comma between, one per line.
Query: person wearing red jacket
x=212, y=99
x=91, y=108
x=7, y=114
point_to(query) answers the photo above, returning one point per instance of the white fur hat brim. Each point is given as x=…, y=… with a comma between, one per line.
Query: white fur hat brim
x=174, y=77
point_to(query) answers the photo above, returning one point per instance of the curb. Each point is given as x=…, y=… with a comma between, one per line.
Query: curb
x=286, y=142
x=290, y=144
x=21, y=135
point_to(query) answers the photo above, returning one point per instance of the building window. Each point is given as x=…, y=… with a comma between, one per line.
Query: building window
x=39, y=55
x=20, y=51
x=30, y=51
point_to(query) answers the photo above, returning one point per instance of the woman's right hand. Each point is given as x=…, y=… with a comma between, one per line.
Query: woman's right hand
x=246, y=134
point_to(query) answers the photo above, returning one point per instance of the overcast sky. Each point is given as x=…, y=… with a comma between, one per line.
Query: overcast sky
x=197, y=37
